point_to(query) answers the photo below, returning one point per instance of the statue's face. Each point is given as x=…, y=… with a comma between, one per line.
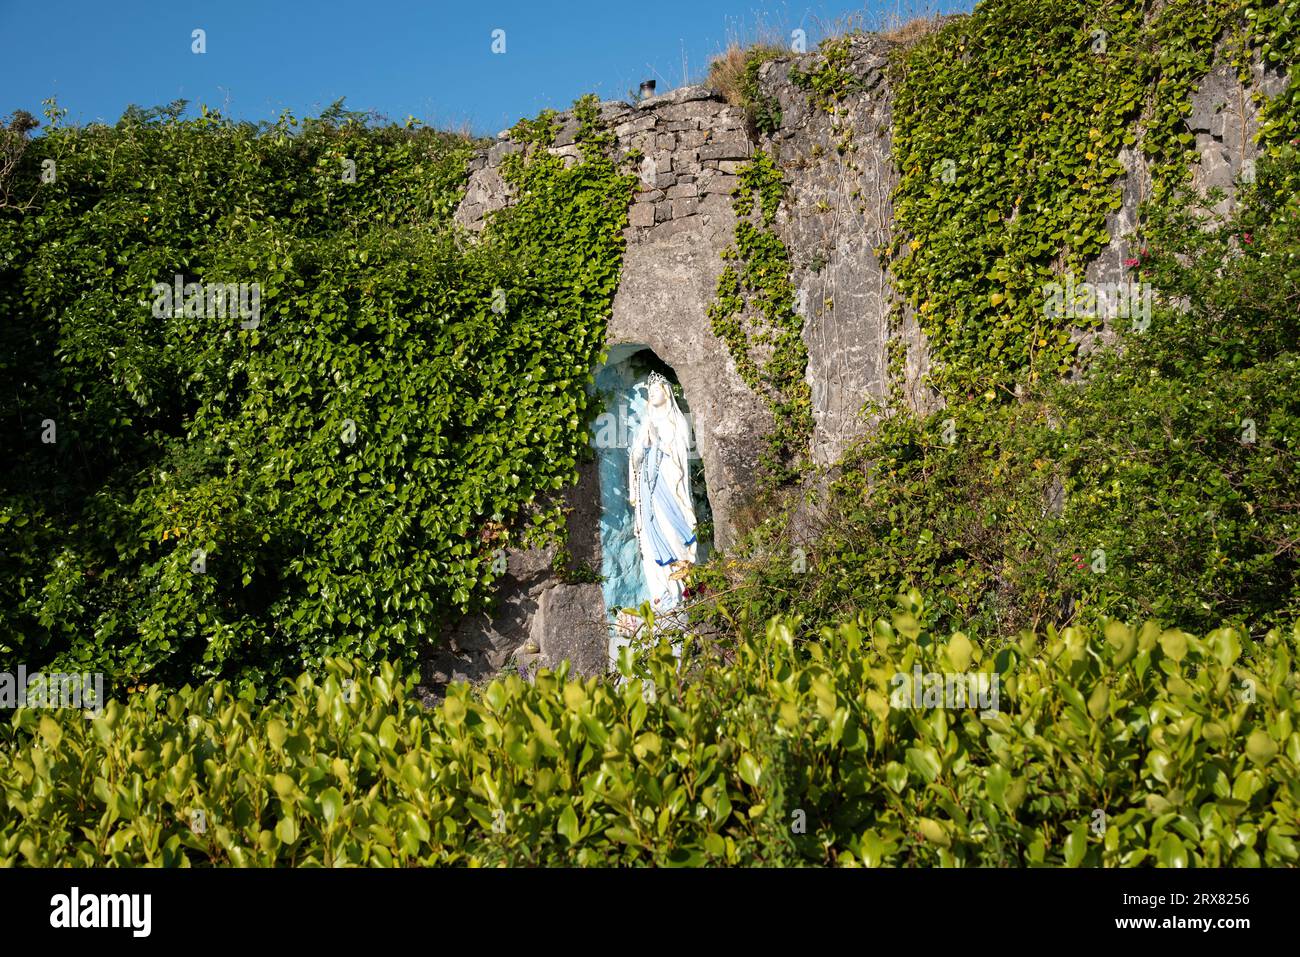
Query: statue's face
x=659, y=395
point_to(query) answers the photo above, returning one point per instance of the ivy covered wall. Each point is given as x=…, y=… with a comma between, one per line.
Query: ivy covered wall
x=366, y=466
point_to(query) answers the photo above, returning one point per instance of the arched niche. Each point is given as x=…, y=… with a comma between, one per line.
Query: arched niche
x=619, y=385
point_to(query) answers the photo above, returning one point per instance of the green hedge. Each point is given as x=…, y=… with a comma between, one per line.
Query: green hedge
x=408, y=405
x=1112, y=745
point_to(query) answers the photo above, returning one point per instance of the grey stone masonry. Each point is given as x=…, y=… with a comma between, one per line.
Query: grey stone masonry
x=687, y=148
x=690, y=143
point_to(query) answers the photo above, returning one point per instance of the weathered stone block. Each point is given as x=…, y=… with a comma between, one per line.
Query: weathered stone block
x=685, y=207
x=683, y=94
x=719, y=184
x=698, y=111
x=641, y=214
x=613, y=112
x=571, y=155
x=726, y=149
x=501, y=150
x=568, y=133
x=728, y=122
x=570, y=626
x=647, y=172
x=624, y=130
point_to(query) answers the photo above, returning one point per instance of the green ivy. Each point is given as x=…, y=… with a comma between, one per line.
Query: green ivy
x=1274, y=37
x=409, y=405
x=1009, y=164
x=754, y=314
x=833, y=79
x=1162, y=485
x=763, y=110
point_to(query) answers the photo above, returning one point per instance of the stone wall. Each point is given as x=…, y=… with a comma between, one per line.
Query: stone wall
x=838, y=212
x=691, y=143
x=1224, y=121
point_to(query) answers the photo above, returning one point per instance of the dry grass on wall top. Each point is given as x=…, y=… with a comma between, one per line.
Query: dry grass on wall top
x=728, y=70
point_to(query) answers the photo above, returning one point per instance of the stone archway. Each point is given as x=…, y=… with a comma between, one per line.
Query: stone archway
x=669, y=278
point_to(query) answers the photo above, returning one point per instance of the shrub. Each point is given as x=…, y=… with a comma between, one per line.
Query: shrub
x=1110, y=745
x=244, y=502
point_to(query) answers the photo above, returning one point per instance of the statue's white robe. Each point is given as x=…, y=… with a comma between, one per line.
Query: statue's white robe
x=659, y=481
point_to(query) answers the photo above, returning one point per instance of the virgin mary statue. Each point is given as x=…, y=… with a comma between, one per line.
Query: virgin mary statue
x=660, y=489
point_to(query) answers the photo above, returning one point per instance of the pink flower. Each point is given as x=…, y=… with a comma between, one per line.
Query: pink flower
x=1130, y=263
x=1248, y=237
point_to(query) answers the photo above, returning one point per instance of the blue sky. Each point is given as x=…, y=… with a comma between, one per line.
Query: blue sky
x=429, y=59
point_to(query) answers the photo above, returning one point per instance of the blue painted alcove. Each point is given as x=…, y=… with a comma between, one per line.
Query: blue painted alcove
x=623, y=407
